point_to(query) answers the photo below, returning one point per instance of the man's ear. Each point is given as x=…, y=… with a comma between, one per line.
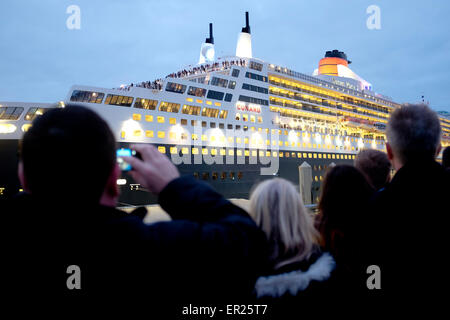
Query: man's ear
x=111, y=188
x=438, y=150
x=389, y=151
x=22, y=179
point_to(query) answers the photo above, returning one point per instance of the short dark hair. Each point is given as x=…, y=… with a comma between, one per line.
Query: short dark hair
x=414, y=131
x=446, y=157
x=68, y=153
x=375, y=165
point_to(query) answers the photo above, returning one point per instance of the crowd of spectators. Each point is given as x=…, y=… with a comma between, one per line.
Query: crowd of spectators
x=213, y=252
x=158, y=83
x=217, y=66
x=154, y=85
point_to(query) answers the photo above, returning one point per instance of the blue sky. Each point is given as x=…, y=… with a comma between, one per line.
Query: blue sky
x=128, y=41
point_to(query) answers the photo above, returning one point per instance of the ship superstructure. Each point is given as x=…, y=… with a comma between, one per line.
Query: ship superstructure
x=235, y=120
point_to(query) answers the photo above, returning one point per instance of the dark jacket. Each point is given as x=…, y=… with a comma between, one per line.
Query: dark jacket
x=409, y=234
x=211, y=251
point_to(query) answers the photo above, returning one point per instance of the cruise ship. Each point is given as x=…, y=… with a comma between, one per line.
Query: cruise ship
x=231, y=121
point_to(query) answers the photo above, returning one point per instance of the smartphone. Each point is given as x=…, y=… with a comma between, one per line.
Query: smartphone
x=125, y=152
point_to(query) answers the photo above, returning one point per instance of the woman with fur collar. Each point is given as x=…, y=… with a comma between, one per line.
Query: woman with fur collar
x=296, y=260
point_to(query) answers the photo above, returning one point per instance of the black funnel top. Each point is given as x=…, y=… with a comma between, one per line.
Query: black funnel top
x=337, y=54
x=247, y=24
x=211, y=38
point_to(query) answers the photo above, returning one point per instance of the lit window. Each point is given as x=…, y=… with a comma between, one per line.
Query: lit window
x=173, y=150
x=172, y=135
x=25, y=127
x=145, y=104
x=231, y=152
x=172, y=121
x=185, y=150
x=223, y=114
x=149, y=118
x=210, y=112
x=136, y=117
x=239, y=152
x=161, y=134
x=137, y=133
x=204, y=151
x=160, y=119
x=149, y=133
x=213, y=152
x=191, y=110
x=162, y=149
x=194, y=150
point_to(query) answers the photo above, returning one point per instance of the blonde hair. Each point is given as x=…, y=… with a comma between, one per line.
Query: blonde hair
x=278, y=210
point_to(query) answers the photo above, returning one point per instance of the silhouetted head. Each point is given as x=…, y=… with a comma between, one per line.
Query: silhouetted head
x=413, y=133
x=446, y=158
x=343, y=207
x=68, y=154
x=375, y=165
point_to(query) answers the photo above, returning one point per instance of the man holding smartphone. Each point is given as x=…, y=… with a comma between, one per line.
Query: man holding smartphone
x=66, y=222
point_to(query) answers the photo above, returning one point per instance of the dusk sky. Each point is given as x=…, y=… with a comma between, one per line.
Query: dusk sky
x=121, y=41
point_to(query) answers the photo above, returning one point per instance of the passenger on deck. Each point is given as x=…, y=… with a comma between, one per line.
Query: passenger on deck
x=211, y=251
x=296, y=260
x=410, y=216
x=375, y=165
